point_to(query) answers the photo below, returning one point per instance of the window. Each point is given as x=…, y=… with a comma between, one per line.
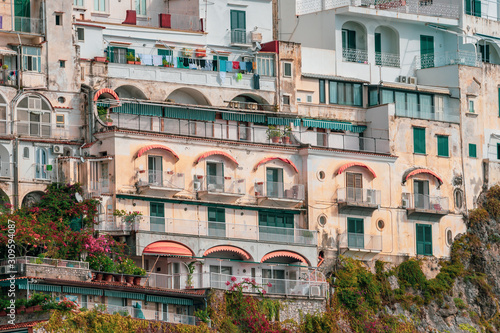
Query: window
x=216, y=222
x=157, y=216
x=140, y=7
x=243, y=131
x=473, y=7
x=286, y=100
x=100, y=5
x=119, y=54
x=426, y=51
x=274, y=182
x=276, y=226
x=33, y=117
x=309, y=98
x=155, y=170
x=459, y=199
x=348, y=39
x=62, y=63
x=421, y=194
x=41, y=164
x=449, y=237
x=322, y=220
x=32, y=61
x=322, y=98
x=265, y=64
x=276, y=277
x=471, y=106
x=472, y=150
x=424, y=239
x=442, y=146
x=287, y=69
x=345, y=93
x=58, y=19
x=26, y=152
x=355, y=233
x=354, y=185
x=485, y=52
x=80, y=34
x=60, y=120
x=498, y=151
x=78, y=3
x=238, y=27
x=215, y=177
x=418, y=140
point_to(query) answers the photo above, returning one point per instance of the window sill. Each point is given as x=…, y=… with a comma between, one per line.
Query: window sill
x=472, y=115
x=100, y=14
x=420, y=154
x=443, y=156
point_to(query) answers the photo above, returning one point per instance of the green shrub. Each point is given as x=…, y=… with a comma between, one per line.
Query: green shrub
x=459, y=303
x=410, y=273
x=478, y=216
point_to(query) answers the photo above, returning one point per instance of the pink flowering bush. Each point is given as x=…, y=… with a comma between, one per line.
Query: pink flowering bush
x=102, y=244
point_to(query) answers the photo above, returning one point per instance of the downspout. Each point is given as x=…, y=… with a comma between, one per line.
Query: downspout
x=46, y=44
x=16, y=176
x=18, y=65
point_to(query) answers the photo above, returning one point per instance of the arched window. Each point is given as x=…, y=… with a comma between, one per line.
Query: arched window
x=458, y=198
x=33, y=116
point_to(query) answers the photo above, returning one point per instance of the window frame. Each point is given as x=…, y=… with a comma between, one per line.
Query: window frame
x=80, y=32
x=58, y=19
x=100, y=6
x=419, y=131
x=425, y=241
x=341, y=89
x=322, y=91
x=141, y=7
x=441, y=140
x=474, y=154
x=287, y=65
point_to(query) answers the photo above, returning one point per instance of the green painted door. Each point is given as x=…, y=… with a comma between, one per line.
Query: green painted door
x=424, y=239
x=426, y=51
x=238, y=27
x=157, y=216
x=216, y=222
x=355, y=233
x=378, y=49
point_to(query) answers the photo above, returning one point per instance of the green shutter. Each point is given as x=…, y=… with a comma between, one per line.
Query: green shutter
x=378, y=49
x=351, y=39
x=322, y=98
x=131, y=51
x=443, y=149
x=499, y=101
x=498, y=151
x=472, y=150
x=427, y=51
x=477, y=8
x=468, y=7
x=419, y=140
x=424, y=239
x=111, y=55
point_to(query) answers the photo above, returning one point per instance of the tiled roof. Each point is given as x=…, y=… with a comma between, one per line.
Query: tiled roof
x=20, y=325
x=88, y=145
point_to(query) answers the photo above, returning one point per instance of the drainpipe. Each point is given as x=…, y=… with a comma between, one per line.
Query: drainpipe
x=16, y=176
x=46, y=43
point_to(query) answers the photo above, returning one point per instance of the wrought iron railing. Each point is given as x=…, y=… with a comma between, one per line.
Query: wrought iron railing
x=354, y=55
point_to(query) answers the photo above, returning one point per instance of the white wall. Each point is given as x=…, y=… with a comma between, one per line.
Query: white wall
x=318, y=61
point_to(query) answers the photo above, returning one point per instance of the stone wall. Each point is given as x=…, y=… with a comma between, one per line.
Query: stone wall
x=63, y=273
x=296, y=308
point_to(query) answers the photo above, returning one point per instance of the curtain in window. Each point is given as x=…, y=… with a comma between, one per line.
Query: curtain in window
x=387, y=96
x=426, y=104
x=357, y=94
x=373, y=97
x=341, y=93
x=332, y=94
x=412, y=103
x=400, y=102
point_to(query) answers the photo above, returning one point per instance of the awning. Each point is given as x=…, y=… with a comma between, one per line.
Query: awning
x=189, y=114
x=124, y=294
x=82, y=291
x=169, y=300
x=247, y=117
x=412, y=87
x=349, y=165
x=6, y=51
x=168, y=248
x=216, y=152
x=39, y=287
x=333, y=125
x=286, y=254
x=283, y=121
x=147, y=148
x=106, y=91
x=228, y=248
x=278, y=158
x=140, y=109
x=487, y=36
x=414, y=172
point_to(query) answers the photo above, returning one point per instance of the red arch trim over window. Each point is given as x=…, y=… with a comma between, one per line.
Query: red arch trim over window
x=286, y=254
x=143, y=150
x=418, y=171
x=217, y=152
x=352, y=164
x=227, y=248
x=285, y=160
x=106, y=91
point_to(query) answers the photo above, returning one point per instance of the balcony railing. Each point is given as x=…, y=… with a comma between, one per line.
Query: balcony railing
x=6, y=169
x=358, y=196
x=215, y=229
x=219, y=184
x=98, y=188
x=387, y=59
x=29, y=25
x=424, y=202
x=429, y=112
x=354, y=55
x=439, y=8
x=220, y=281
x=164, y=179
x=238, y=36
x=448, y=58
x=8, y=77
x=50, y=262
x=44, y=171
x=279, y=190
x=47, y=130
x=146, y=314
x=361, y=241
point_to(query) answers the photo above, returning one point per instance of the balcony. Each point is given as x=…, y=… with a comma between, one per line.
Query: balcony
x=433, y=8
x=423, y=206
x=44, y=172
x=220, y=188
x=355, y=55
x=8, y=77
x=163, y=182
x=284, y=194
x=48, y=130
x=97, y=188
x=448, y=58
x=387, y=59
x=428, y=112
x=351, y=200
x=250, y=232
x=360, y=242
x=145, y=314
x=6, y=169
x=238, y=36
x=304, y=288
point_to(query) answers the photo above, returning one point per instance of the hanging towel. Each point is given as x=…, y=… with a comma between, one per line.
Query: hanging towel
x=222, y=76
x=185, y=62
x=157, y=60
x=249, y=66
x=254, y=65
x=243, y=65
x=256, y=81
x=223, y=64
x=146, y=59
x=229, y=66
x=236, y=65
x=239, y=76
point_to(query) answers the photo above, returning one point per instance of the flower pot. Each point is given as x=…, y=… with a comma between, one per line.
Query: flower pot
x=275, y=139
x=98, y=277
x=108, y=277
x=130, y=62
x=100, y=59
x=137, y=62
x=189, y=287
x=109, y=123
x=37, y=308
x=21, y=309
x=227, y=178
x=118, y=278
x=29, y=310
x=137, y=280
x=199, y=177
x=129, y=279
x=286, y=139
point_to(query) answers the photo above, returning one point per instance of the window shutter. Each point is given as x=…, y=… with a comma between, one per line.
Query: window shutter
x=419, y=140
x=472, y=150
x=358, y=180
x=350, y=179
x=443, y=149
x=477, y=8
x=221, y=215
x=378, y=42
x=351, y=39
x=428, y=240
x=498, y=151
x=322, y=98
x=111, y=54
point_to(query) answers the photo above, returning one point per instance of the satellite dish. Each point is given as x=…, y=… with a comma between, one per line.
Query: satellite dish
x=78, y=197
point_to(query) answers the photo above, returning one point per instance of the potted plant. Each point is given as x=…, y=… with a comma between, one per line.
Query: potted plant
x=137, y=60
x=127, y=267
x=287, y=134
x=139, y=273
x=190, y=268
x=273, y=134
x=4, y=66
x=130, y=58
x=100, y=59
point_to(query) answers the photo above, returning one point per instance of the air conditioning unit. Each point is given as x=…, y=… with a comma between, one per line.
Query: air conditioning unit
x=371, y=196
x=411, y=80
x=57, y=149
x=315, y=291
x=402, y=79
x=211, y=187
x=197, y=185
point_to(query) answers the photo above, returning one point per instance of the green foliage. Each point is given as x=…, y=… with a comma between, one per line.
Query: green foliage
x=459, y=303
x=317, y=323
x=139, y=271
x=478, y=216
x=101, y=262
x=126, y=266
x=202, y=315
x=410, y=274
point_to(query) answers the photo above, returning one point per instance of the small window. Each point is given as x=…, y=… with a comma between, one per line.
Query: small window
x=62, y=63
x=61, y=99
x=287, y=69
x=472, y=150
x=59, y=120
x=419, y=140
x=449, y=237
x=322, y=220
x=380, y=225
x=286, y=100
x=443, y=148
x=458, y=198
x=26, y=152
x=321, y=175
x=322, y=98
x=58, y=19
x=471, y=106
x=80, y=34
x=498, y=151
x=309, y=98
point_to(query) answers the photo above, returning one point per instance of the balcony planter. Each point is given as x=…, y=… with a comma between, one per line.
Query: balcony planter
x=3, y=313
x=130, y=62
x=98, y=277
x=29, y=309
x=286, y=140
x=108, y=277
x=100, y=59
x=275, y=139
x=118, y=278
x=227, y=178
x=129, y=279
x=137, y=280
x=37, y=308
x=257, y=194
x=170, y=172
x=260, y=183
